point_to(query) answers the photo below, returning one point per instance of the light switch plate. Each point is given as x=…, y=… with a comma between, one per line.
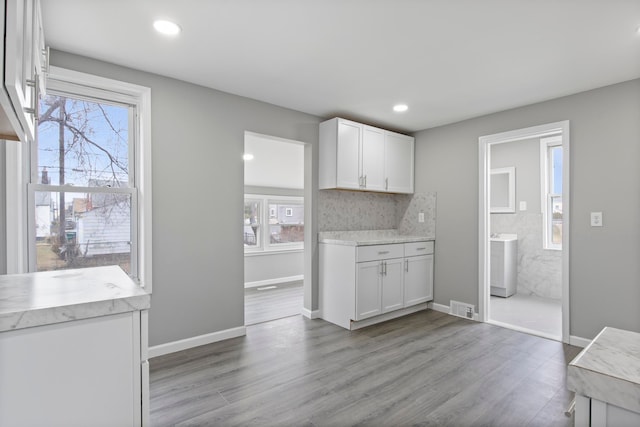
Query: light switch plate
x=421, y=217
x=596, y=219
x=523, y=205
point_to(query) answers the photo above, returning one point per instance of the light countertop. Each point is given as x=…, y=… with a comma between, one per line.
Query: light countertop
x=608, y=369
x=35, y=299
x=368, y=237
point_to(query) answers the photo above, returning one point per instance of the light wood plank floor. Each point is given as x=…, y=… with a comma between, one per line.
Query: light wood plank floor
x=282, y=300
x=427, y=369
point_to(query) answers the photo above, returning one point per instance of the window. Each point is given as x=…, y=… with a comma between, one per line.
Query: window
x=551, y=156
x=89, y=190
x=282, y=229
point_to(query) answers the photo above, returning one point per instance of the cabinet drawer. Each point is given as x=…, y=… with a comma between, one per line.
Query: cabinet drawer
x=418, y=248
x=375, y=252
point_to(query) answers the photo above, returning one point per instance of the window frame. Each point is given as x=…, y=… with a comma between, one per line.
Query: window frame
x=81, y=85
x=546, y=145
x=265, y=246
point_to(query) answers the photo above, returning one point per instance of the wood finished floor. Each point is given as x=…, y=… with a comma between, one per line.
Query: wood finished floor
x=426, y=369
x=285, y=299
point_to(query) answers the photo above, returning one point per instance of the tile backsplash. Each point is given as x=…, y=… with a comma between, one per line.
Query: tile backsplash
x=340, y=210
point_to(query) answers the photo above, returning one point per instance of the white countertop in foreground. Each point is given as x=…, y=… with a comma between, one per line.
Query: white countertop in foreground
x=608, y=369
x=368, y=237
x=43, y=298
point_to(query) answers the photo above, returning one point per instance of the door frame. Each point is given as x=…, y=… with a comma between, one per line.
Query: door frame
x=484, y=216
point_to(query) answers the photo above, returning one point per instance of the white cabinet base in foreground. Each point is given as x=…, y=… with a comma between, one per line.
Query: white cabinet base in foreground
x=79, y=373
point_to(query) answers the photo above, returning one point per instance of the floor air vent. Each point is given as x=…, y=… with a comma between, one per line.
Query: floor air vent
x=461, y=309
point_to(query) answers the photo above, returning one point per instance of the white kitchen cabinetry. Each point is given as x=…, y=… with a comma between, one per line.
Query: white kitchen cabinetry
x=398, y=165
x=25, y=65
x=80, y=373
x=355, y=156
x=418, y=273
x=375, y=282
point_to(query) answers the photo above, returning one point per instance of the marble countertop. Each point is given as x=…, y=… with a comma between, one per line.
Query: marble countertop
x=608, y=369
x=35, y=299
x=368, y=237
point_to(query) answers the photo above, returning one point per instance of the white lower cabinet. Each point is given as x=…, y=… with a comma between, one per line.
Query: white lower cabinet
x=362, y=282
x=591, y=412
x=86, y=372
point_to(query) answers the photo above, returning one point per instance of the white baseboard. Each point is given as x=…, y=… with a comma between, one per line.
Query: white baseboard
x=446, y=309
x=310, y=314
x=275, y=281
x=439, y=307
x=578, y=341
x=172, y=347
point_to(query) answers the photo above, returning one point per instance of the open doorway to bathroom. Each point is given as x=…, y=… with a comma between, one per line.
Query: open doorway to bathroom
x=523, y=242
x=273, y=229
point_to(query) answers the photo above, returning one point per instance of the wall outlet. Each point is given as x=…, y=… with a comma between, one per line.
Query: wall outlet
x=596, y=219
x=421, y=217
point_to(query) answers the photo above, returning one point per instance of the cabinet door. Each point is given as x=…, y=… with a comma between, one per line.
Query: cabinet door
x=79, y=373
x=418, y=279
x=392, y=289
x=373, y=159
x=348, y=155
x=399, y=162
x=368, y=289
x=19, y=77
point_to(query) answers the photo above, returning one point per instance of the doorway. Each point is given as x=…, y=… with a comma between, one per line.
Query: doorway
x=523, y=230
x=273, y=229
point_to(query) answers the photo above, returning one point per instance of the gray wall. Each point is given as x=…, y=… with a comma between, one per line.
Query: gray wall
x=605, y=148
x=3, y=207
x=198, y=141
x=273, y=266
x=525, y=157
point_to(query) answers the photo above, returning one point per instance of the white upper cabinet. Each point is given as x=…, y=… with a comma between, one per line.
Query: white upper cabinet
x=398, y=164
x=22, y=52
x=355, y=156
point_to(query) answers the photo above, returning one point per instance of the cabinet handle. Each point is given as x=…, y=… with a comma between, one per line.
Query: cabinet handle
x=406, y=265
x=421, y=249
x=383, y=252
x=385, y=267
x=386, y=183
x=365, y=181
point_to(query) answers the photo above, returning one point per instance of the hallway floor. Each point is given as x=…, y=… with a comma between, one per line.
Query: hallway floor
x=266, y=303
x=528, y=313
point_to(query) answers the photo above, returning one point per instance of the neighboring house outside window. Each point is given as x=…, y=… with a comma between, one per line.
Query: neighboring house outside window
x=551, y=161
x=90, y=183
x=273, y=223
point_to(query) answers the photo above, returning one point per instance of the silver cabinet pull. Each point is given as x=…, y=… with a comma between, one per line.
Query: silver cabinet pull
x=421, y=249
x=386, y=183
x=365, y=181
x=385, y=267
x=406, y=265
x=383, y=252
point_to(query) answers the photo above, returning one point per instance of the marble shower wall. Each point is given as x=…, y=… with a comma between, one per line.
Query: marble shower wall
x=340, y=210
x=539, y=270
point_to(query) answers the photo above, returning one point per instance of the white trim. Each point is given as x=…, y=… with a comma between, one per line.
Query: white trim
x=310, y=314
x=280, y=251
x=511, y=176
x=579, y=341
x=275, y=281
x=439, y=307
x=187, y=343
x=16, y=207
x=484, y=216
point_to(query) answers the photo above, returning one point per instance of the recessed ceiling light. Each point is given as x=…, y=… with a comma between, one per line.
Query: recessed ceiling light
x=400, y=108
x=247, y=156
x=166, y=27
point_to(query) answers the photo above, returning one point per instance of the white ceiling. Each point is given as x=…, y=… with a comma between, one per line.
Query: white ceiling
x=447, y=59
